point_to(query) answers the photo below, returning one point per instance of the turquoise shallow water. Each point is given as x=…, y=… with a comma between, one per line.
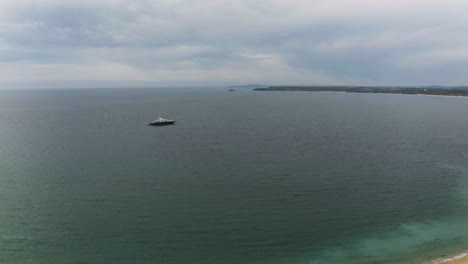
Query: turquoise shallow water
x=243, y=177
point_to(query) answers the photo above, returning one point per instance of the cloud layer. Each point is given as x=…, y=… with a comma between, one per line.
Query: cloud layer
x=193, y=42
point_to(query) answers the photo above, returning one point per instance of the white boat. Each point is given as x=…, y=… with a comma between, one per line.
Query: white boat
x=161, y=122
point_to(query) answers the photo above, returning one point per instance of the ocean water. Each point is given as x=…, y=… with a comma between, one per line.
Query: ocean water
x=243, y=177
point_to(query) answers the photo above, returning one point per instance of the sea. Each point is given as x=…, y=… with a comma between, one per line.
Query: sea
x=243, y=177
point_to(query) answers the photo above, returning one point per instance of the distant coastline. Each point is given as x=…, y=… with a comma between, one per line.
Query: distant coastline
x=251, y=86
x=421, y=90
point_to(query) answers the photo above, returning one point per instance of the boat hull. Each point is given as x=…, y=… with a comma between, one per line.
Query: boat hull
x=161, y=123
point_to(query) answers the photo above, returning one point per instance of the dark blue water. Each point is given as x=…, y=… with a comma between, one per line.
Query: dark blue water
x=243, y=177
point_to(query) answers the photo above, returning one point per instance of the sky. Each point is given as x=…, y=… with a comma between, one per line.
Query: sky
x=228, y=42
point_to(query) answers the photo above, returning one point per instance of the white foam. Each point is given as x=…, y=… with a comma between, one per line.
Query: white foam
x=450, y=259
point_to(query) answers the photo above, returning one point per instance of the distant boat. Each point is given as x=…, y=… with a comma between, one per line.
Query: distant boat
x=161, y=122
x=231, y=90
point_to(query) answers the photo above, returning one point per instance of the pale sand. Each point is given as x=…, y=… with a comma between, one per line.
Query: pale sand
x=460, y=261
x=457, y=259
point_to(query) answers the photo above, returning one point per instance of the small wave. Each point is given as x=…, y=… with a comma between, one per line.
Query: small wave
x=15, y=237
x=450, y=259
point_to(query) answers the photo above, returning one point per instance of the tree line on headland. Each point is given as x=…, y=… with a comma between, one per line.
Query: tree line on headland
x=424, y=90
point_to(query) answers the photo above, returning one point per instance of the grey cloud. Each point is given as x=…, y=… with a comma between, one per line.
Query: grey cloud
x=60, y=27
x=299, y=42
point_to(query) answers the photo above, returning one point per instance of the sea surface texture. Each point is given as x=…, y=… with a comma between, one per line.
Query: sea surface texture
x=241, y=178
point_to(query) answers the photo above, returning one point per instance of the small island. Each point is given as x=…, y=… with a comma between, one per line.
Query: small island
x=414, y=90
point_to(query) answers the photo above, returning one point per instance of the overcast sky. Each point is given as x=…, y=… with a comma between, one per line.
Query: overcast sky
x=218, y=42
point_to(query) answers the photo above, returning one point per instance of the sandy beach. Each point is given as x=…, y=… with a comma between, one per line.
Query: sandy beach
x=461, y=258
x=460, y=261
